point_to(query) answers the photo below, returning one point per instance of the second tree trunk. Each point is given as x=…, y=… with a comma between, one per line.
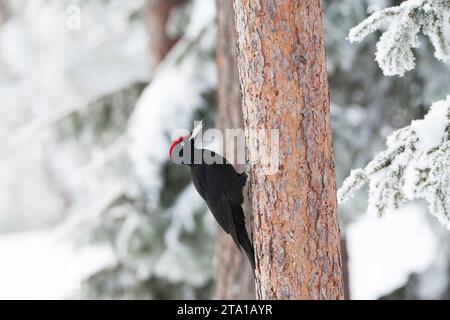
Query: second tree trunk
x=234, y=274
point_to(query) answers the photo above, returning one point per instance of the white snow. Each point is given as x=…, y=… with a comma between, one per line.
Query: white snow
x=431, y=129
x=434, y=282
x=48, y=72
x=384, y=252
x=39, y=265
x=403, y=23
x=352, y=184
x=414, y=166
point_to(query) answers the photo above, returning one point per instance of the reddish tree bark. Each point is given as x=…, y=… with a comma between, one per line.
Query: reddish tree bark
x=234, y=275
x=284, y=84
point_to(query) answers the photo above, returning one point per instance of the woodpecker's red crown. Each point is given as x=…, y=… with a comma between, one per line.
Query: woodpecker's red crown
x=174, y=143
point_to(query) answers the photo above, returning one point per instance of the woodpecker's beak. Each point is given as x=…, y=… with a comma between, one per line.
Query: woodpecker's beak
x=198, y=128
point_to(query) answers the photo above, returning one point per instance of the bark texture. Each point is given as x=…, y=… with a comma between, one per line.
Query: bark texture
x=284, y=84
x=235, y=278
x=157, y=13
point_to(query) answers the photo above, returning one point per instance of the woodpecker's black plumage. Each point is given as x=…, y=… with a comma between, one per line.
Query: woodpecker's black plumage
x=221, y=187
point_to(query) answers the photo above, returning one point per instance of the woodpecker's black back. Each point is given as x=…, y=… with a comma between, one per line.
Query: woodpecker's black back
x=221, y=187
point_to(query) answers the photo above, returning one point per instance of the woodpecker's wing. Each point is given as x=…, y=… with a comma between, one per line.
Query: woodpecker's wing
x=224, y=193
x=221, y=187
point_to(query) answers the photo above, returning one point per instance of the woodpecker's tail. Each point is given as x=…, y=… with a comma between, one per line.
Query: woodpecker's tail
x=246, y=244
x=243, y=240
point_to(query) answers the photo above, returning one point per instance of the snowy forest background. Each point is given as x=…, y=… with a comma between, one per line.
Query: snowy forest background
x=90, y=206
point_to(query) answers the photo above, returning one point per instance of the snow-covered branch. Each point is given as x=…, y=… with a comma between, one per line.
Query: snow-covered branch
x=415, y=165
x=403, y=23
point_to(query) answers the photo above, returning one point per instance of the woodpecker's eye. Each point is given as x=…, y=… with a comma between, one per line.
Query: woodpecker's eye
x=182, y=143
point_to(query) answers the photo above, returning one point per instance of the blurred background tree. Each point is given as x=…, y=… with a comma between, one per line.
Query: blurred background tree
x=87, y=120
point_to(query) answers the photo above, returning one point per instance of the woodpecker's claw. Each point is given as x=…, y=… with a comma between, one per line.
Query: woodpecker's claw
x=249, y=164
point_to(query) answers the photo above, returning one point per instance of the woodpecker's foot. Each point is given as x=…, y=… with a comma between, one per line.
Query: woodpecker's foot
x=249, y=165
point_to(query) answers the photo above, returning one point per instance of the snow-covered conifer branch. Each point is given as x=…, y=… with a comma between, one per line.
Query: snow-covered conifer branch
x=372, y=24
x=353, y=183
x=415, y=165
x=403, y=23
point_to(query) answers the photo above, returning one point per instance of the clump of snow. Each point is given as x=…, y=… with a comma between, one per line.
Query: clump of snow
x=430, y=130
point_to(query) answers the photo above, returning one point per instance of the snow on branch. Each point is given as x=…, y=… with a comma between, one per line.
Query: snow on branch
x=403, y=23
x=353, y=183
x=415, y=165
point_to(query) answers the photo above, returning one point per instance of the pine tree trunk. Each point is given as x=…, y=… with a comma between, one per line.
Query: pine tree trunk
x=282, y=68
x=234, y=275
x=157, y=13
